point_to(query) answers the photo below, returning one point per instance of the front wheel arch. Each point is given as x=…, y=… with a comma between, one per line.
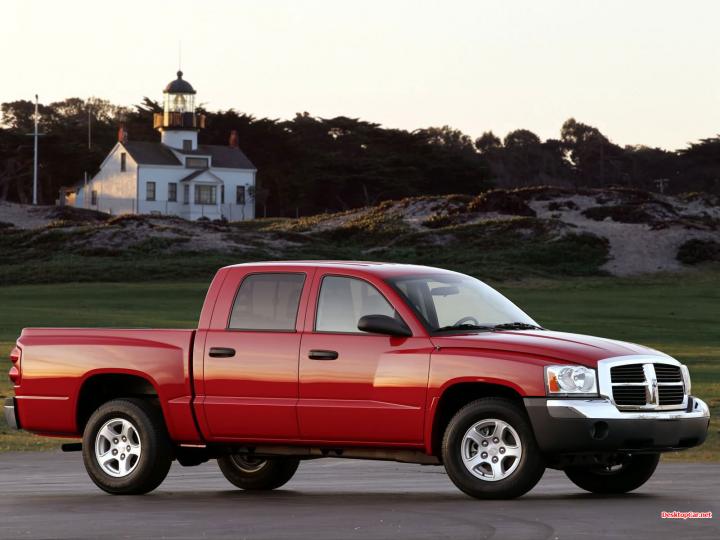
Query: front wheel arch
x=455, y=397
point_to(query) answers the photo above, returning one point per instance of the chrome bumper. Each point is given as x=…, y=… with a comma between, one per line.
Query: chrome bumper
x=568, y=426
x=603, y=409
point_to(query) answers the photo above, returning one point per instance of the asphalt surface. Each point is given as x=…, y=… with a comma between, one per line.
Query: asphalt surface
x=48, y=495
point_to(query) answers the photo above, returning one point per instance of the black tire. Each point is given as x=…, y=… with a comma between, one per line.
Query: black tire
x=153, y=464
x=257, y=474
x=633, y=472
x=530, y=465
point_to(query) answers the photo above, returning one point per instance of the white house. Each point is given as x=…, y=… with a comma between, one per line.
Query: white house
x=176, y=176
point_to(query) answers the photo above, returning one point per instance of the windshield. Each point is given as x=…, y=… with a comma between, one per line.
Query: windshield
x=455, y=302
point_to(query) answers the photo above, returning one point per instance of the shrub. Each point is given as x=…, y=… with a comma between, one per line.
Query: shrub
x=622, y=213
x=554, y=206
x=437, y=221
x=697, y=251
x=503, y=202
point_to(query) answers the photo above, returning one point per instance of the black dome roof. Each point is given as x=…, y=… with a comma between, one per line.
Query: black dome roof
x=179, y=86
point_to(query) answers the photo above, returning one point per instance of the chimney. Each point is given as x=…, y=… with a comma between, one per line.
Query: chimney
x=122, y=134
x=234, y=139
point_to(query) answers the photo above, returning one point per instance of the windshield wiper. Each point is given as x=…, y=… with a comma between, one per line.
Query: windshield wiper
x=517, y=326
x=461, y=327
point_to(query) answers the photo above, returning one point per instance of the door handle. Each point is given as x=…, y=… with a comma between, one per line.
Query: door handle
x=222, y=352
x=322, y=355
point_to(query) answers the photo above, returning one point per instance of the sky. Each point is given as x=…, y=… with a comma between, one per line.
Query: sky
x=644, y=72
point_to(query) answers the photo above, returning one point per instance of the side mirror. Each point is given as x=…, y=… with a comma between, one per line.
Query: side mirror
x=382, y=324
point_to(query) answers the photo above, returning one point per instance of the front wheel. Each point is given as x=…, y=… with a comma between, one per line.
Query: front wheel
x=489, y=450
x=252, y=473
x=631, y=473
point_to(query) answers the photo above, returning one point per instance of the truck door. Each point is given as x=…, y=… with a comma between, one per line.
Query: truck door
x=355, y=386
x=250, y=377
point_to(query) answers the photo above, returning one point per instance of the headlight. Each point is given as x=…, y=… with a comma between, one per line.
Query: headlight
x=686, y=377
x=575, y=380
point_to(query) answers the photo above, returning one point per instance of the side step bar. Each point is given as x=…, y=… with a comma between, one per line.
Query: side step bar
x=71, y=447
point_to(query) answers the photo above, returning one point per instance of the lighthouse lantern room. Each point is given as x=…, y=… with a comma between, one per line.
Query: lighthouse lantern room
x=178, y=123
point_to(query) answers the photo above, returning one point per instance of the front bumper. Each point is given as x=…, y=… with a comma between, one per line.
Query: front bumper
x=10, y=410
x=564, y=426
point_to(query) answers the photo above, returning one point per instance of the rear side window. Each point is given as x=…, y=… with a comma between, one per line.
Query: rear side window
x=267, y=302
x=343, y=301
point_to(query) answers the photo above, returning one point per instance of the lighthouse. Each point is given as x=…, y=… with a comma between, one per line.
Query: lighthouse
x=177, y=175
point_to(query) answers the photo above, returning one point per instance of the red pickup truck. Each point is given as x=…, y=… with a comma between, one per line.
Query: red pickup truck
x=303, y=360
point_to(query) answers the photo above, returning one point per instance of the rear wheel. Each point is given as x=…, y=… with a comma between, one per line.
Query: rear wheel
x=252, y=473
x=489, y=450
x=126, y=449
x=631, y=473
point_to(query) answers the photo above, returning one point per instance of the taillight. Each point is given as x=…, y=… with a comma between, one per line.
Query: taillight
x=15, y=356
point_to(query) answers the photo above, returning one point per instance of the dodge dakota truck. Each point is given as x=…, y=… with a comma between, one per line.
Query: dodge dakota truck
x=303, y=360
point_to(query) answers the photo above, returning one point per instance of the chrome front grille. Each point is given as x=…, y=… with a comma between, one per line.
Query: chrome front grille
x=667, y=373
x=638, y=384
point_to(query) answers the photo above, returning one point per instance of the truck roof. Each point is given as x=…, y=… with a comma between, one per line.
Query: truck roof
x=375, y=267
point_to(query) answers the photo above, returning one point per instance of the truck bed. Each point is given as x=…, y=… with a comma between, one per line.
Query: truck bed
x=58, y=364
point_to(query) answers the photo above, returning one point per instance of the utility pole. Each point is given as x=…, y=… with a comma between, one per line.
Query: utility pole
x=35, y=161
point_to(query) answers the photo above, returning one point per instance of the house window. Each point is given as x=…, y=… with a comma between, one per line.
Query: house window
x=196, y=163
x=93, y=198
x=205, y=194
x=150, y=191
x=123, y=161
x=240, y=195
x=172, y=192
x=187, y=145
x=186, y=194
x=222, y=194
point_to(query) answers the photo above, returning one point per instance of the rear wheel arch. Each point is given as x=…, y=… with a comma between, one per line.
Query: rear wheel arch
x=459, y=394
x=99, y=388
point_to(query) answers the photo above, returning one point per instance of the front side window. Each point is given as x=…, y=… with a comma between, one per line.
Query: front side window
x=205, y=194
x=344, y=301
x=150, y=191
x=267, y=302
x=123, y=161
x=93, y=197
x=187, y=145
x=240, y=195
x=172, y=192
x=455, y=302
x=186, y=194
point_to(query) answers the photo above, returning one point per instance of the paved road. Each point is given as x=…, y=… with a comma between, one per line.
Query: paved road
x=47, y=495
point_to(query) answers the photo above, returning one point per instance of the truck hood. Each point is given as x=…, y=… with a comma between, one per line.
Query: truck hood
x=544, y=345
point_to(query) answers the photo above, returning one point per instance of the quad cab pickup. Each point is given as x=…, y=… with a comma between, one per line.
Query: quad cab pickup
x=302, y=360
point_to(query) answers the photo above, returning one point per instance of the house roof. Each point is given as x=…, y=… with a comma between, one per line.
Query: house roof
x=222, y=156
x=151, y=153
x=192, y=175
x=155, y=153
x=197, y=173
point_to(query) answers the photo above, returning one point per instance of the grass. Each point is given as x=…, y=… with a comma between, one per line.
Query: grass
x=677, y=314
